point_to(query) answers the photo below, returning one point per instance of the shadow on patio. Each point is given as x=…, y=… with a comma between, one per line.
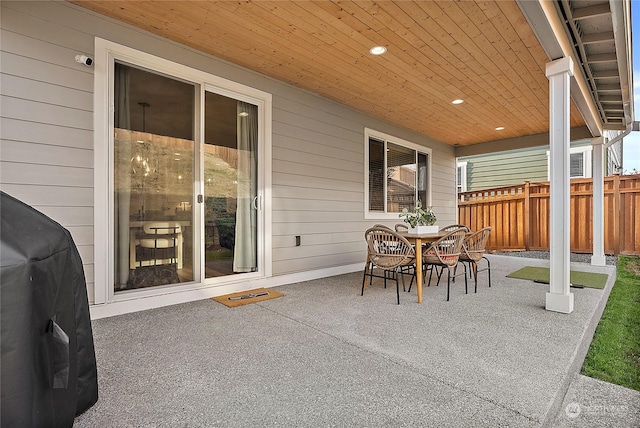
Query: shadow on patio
x=325, y=356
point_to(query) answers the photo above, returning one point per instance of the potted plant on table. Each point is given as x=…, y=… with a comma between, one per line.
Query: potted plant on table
x=420, y=220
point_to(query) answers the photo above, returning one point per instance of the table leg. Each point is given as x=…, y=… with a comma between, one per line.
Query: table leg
x=419, y=268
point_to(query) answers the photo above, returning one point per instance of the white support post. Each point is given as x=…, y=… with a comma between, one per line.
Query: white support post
x=559, y=298
x=598, y=258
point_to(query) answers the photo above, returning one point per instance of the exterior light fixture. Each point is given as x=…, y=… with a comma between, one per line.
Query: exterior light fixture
x=499, y=128
x=377, y=50
x=243, y=114
x=458, y=101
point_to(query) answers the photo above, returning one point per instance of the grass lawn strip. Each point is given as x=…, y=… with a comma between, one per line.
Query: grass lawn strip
x=614, y=354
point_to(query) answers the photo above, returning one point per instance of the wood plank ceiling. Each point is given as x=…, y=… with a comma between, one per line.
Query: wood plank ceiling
x=483, y=52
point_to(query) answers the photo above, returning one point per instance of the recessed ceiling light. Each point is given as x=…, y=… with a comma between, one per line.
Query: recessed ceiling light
x=377, y=50
x=499, y=128
x=458, y=101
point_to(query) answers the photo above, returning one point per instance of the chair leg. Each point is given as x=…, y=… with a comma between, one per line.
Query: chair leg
x=448, y=283
x=371, y=270
x=488, y=270
x=473, y=267
x=397, y=287
x=473, y=273
x=364, y=277
x=476, y=270
x=439, y=273
x=403, y=273
x=466, y=291
x=413, y=276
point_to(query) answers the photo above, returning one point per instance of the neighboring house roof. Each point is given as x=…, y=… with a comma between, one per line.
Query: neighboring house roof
x=492, y=54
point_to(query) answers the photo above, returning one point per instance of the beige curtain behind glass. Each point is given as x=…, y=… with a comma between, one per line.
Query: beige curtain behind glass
x=244, y=257
x=122, y=120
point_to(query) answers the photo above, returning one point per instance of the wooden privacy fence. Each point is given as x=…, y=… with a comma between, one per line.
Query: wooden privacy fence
x=519, y=215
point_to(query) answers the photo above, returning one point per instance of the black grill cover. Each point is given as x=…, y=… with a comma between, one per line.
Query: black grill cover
x=48, y=360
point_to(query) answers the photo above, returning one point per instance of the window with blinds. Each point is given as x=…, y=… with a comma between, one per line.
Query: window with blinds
x=580, y=163
x=461, y=178
x=398, y=175
x=576, y=165
x=376, y=175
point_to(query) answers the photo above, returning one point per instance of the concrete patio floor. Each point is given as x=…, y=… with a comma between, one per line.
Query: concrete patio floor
x=322, y=355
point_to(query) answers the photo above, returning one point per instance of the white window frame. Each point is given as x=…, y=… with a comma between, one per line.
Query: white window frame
x=106, y=53
x=369, y=133
x=586, y=162
x=462, y=186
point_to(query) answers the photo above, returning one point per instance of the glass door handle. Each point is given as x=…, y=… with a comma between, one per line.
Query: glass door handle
x=256, y=202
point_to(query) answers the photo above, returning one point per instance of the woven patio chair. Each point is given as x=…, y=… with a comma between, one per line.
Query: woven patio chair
x=410, y=269
x=453, y=227
x=389, y=252
x=473, y=252
x=445, y=253
x=402, y=227
x=382, y=225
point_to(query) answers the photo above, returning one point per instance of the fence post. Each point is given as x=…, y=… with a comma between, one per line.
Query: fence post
x=527, y=215
x=617, y=233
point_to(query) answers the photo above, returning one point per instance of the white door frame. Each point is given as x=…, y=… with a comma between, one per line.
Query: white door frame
x=106, y=53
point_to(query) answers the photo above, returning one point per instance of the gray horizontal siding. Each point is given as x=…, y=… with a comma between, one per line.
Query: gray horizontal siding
x=43, y=71
x=34, y=111
x=317, y=152
x=13, y=129
x=45, y=195
x=45, y=175
x=305, y=205
x=46, y=93
x=47, y=119
x=40, y=153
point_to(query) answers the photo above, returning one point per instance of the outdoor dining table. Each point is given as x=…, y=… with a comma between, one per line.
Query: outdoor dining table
x=418, y=239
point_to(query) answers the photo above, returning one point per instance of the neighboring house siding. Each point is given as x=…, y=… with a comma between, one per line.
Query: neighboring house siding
x=613, y=158
x=317, y=145
x=505, y=168
x=513, y=167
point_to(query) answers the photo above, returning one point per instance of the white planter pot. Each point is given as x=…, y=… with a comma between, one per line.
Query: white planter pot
x=424, y=229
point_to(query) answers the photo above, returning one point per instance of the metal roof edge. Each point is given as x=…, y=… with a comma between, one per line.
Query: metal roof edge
x=621, y=17
x=543, y=18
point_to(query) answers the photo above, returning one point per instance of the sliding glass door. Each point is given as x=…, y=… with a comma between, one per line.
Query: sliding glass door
x=230, y=186
x=186, y=202
x=154, y=122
